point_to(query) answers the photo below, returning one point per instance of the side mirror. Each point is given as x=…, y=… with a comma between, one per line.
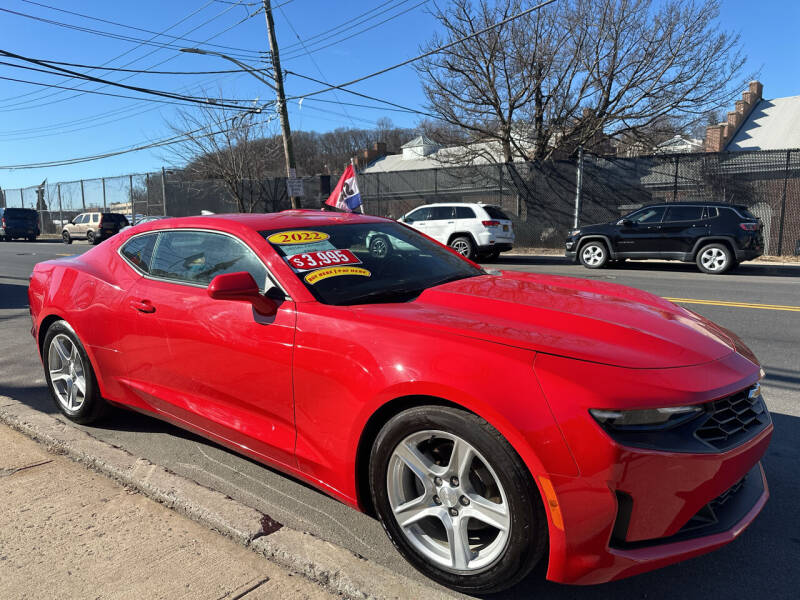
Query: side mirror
x=625, y=222
x=243, y=288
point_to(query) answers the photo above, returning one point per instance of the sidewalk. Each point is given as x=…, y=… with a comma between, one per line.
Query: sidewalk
x=68, y=532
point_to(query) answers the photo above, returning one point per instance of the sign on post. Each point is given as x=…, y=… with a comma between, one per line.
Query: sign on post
x=294, y=187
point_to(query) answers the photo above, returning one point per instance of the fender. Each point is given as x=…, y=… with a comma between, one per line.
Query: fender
x=713, y=238
x=595, y=236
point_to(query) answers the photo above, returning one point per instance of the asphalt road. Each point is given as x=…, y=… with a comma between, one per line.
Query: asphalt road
x=763, y=558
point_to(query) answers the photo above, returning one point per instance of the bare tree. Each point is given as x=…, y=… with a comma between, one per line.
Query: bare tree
x=576, y=72
x=232, y=146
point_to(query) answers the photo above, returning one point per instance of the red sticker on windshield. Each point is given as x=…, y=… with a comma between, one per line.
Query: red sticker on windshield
x=323, y=258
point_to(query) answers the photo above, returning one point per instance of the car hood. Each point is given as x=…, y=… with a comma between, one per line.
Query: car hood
x=587, y=320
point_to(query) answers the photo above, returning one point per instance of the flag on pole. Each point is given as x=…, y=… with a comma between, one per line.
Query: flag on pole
x=345, y=195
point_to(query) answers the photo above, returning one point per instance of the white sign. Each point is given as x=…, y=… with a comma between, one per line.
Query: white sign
x=294, y=187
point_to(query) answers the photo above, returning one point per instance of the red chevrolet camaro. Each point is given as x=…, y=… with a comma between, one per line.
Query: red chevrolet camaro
x=489, y=419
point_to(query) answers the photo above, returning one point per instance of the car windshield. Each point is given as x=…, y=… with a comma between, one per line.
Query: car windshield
x=364, y=263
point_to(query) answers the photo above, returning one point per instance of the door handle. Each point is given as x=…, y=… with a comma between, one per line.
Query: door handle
x=143, y=306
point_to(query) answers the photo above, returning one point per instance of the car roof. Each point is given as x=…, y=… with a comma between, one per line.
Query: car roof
x=301, y=218
x=453, y=204
x=697, y=203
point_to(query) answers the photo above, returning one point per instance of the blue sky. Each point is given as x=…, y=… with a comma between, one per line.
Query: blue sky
x=40, y=124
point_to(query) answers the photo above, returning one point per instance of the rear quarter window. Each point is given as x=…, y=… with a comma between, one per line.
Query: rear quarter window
x=495, y=213
x=139, y=251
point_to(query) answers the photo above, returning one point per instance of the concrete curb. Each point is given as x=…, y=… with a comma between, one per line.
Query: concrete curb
x=336, y=568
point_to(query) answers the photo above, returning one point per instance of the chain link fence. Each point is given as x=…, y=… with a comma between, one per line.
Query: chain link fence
x=542, y=199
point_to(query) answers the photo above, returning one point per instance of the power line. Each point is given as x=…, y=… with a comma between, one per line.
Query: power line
x=366, y=96
x=359, y=32
x=176, y=139
x=132, y=27
x=430, y=52
x=27, y=106
x=116, y=84
x=141, y=71
x=108, y=34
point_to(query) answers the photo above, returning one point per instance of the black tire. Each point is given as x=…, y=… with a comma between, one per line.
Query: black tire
x=66, y=237
x=380, y=246
x=492, y=256
x=527, y=537
x=93, y=407
x=31, y=238
x=91, y=238
x=464, y=246
x=593, y=254
x=714, y=259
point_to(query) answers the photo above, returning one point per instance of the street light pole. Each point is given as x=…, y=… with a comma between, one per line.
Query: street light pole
x=288, y=148
x=283, y=112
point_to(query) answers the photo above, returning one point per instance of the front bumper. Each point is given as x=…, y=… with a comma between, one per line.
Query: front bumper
x=632, y=510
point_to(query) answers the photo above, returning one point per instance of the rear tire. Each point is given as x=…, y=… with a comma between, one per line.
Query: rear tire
x=714, y=259
x=593, y=255
x=66, y=237
x=91, y=238
x=70, y=376
x=464, y=246
x=31, y=238
x=487, y=491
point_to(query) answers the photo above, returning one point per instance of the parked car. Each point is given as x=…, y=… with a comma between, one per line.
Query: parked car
x=147, y=219
x=714, y=235
x=93, y=227
x=473, y=230
x=491, y=421
x=20, y=223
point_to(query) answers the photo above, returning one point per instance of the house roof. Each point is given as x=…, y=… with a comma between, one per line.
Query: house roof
x=772, y=125
x=420, y=140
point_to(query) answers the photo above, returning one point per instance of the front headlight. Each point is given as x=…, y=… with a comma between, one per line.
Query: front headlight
x=573, y=232
x=648, y=418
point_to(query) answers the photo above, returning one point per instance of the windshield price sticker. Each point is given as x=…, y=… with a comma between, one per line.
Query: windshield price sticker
x=323, y=258
x=321, y=274
x=298, y=236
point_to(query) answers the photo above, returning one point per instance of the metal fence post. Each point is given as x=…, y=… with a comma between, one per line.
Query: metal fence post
x=130, y=195
x=578, y=188
x=164, y=191
x=21, y=198
x=83, y=197
x=103, y=179
x=60, y=209
x=675, y=183
x=783, y=202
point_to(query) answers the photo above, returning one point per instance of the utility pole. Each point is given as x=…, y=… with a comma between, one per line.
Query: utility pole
x=283, y=113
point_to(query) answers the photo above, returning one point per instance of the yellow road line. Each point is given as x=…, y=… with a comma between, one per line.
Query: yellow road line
x=735, y=304
x=65, y=255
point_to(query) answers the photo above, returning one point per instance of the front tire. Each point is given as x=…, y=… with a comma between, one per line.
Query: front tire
x=456, y=500
x=714, y=259
x=66, y=237
x=594, y=255
x=69, y=375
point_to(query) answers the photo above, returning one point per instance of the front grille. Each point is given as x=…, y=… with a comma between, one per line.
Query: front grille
x=708, y=515
x=734, y=419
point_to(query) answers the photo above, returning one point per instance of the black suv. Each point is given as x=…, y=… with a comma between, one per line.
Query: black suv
x=19, y=223
x=716, y=236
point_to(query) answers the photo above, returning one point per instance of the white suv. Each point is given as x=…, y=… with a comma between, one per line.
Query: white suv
x=472, y=230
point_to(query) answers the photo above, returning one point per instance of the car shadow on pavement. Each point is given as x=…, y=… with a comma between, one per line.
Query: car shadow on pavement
x=748, y=269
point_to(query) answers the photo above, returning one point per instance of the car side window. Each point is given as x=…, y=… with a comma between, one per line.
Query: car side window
x=683, y=213
x=648, y=215
x=421, y=214
x=197, y=257
x=139, y=251
x=464, y=212
x=95, y=218
x=710, y=212
x=441, y=213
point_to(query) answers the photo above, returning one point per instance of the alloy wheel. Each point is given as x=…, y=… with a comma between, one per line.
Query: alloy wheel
x=462, y=247
x=714, y=259
x=448, y=501
x=67, y=372
x=593, y=255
